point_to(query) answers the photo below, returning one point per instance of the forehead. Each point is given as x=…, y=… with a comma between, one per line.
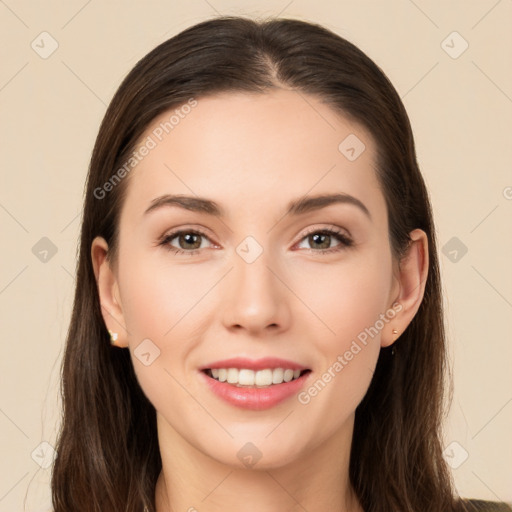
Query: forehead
x=254, y=151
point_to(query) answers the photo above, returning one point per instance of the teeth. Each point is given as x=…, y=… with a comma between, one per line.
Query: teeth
x=246, y=377
x=263, y=377
x=232, y=376
x=260, y=378
x=277, y=376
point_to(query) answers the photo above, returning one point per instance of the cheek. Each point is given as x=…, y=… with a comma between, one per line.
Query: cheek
x=346, y=300
x=163, y=309
x=156, y=295
x=350, y=311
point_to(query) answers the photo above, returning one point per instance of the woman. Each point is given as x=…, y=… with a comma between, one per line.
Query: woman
x=258, y=315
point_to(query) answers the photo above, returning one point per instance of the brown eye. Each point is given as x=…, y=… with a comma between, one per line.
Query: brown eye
x=188, y=241
x=321, y=241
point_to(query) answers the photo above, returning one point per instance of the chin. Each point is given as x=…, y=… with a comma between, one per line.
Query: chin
x=256, y=452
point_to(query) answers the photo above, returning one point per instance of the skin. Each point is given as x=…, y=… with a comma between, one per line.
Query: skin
x=253, y=154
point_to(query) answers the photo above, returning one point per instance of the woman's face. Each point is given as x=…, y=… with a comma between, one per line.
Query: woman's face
x=255, y=280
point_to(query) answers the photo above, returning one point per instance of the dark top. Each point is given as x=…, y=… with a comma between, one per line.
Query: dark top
x=476, y=506
x=472, y=505
x=486, y=506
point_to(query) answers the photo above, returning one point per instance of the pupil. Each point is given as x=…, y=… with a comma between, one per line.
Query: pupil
x=189, y=238
x=316, y=236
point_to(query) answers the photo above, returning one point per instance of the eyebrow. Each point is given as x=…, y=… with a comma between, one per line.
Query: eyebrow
x=296, y=207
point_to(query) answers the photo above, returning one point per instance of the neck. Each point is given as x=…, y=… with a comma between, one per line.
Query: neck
x=192, y=481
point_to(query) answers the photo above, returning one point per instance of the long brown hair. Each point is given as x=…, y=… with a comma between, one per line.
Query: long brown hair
x=108, y=457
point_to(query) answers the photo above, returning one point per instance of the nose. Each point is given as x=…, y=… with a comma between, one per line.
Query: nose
x=255, y=297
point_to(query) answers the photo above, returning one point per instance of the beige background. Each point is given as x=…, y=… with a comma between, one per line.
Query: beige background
x=461, y=112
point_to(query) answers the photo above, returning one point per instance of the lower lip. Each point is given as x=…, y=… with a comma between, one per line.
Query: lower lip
x=256, y=399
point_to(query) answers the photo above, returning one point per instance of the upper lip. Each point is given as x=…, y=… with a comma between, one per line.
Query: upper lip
x=255, y=364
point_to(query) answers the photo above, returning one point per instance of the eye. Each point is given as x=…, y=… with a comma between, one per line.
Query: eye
x=322, y=240
x=189, y=241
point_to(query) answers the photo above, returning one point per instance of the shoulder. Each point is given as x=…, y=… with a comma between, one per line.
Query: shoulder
x=474, y=505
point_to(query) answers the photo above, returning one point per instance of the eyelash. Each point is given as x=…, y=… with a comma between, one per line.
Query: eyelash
x=345, y=241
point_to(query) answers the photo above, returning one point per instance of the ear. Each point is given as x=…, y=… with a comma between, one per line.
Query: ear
x=411, y=276
x=108, y=291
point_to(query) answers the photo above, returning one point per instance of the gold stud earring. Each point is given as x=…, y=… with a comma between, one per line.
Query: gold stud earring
x=395, y=331
x=113, y=337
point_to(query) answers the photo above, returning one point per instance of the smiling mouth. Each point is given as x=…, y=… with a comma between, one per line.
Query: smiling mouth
x=245, y=377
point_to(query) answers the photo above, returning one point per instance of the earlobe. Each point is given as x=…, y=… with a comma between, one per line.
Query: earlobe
x=108, y=292
x=412, y=277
